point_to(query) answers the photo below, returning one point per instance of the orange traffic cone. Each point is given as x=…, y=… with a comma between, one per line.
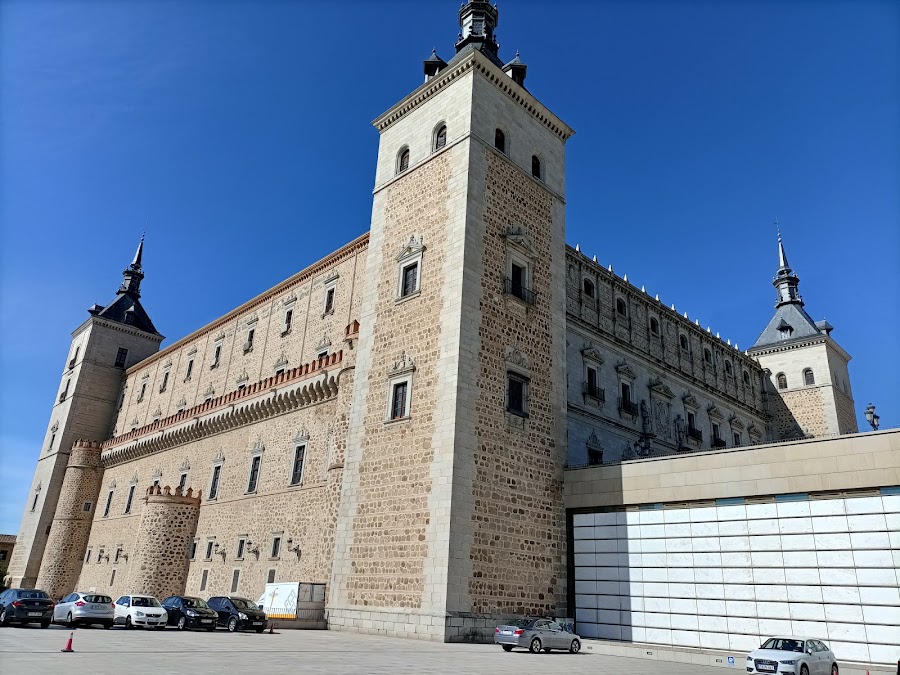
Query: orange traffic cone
x=68, y=647
x=271, y=628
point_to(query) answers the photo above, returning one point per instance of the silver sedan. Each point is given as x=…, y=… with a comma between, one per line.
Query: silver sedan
x=535, y=635
x=81, y=609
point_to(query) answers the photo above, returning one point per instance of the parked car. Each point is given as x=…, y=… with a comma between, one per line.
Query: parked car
x=84, y=609
x=236, y=613
x=535, y=635
x=800, y=655
x=25, y=605
x=189, y=612
x=140, y=610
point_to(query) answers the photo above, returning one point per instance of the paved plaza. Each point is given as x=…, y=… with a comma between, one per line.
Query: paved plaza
x=102, y=652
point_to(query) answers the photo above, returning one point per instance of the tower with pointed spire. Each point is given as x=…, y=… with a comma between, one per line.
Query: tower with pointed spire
x=113, y=338
x=808, y=381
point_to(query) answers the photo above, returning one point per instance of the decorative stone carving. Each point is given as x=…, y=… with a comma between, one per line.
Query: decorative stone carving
x=252, y=320
x=210, y=392
x=145, y=376
x=594, y=449
x=243, y=378
x=625, y=371
x=157, y=413
x=257, y=447
x=192, y=351
x=54, y=427
x=591, y=353
x=111, y=485
x=689, y=401
x=331, y=276
x=413, y=248
x=403, y=364
x=168, y=363
x=219, y=457
x=134, y=479
x=324, y=343
x=679, y=430
x=516, y=358
x=185, y=465
x=661, y=417
x=182, y=403
x=735, y=422
x=646, y=422
x=281, y=361
x=157, y=474
x=658, y=387
x=302, y=436
x=714, y=413
x=518, y=237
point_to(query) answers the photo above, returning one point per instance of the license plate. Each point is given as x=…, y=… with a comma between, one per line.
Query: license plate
x=505, y=632
x=767, y=667
x=96, y=606
x=257, y=623
x=205, y=620
x=35, y=614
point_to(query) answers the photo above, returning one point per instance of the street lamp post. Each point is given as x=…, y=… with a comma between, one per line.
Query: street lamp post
x=871, y=417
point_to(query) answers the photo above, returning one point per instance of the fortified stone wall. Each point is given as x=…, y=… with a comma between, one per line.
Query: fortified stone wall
x=71, y=525
x=168, y=523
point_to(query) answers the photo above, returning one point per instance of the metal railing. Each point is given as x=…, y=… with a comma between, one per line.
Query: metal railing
x=519, y=290
x=696, y=434
x=594, y=391
x=628, y=406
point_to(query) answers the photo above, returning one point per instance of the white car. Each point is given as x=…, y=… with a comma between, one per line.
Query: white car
x=140, y=610
x=82, y=609
x=792, y=655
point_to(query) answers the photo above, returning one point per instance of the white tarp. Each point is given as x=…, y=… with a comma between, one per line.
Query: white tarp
x=280, y=600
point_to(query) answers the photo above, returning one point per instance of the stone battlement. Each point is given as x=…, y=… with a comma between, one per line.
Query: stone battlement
x=156, y=493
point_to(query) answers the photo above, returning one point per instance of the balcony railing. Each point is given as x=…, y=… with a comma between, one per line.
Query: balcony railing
x=695, y=434
x=719, y=443
x=519, y=290
x=594, y=391
x=628, y=406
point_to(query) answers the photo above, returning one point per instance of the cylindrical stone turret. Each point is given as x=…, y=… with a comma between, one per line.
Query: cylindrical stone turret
x=168, y=525
x=71, y=527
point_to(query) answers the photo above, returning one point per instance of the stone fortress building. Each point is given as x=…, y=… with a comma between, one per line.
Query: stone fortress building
x=396, y=420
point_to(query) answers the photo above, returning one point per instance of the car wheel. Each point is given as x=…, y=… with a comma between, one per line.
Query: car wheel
x=69, y=622
x=507, y=648
x=260, y=629
x=4, y=619
x=107, y=625
x=232, y=625
x=834, y=669
x=535, y=646
x=211, y=629
x=128, y=625
x=180, y=623
x=804, y=670
x=575, y=647
x=45, y=624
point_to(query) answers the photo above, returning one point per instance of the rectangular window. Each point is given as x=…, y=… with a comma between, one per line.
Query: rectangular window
x=217, y=354
x=3, y=555
x=130, y=499
x=248, y=345
x=288, y=319
x=517, y=394
x=254, y=473
x=35, y=501
x=626, y=393
x=737, y=439
x=118, y=555
x=52, y=439
x=182, y=482
x=65, y=392
x=87, y=506
x=410, y=279
x=209, y=549
x=235, y=579
x=322, y=355
x=190, y=370
x=329, y=301
x=398, y=401
x=142, y=392
x=214, y=485
x=715, y=432
x=692, y=421
x=297, y=469
x=242, y=543
x=121, y=357
x=276, y=547
x=108, y=504
x=112, y=578
x=270, y=578
x=203, y=578
x=165, y=381
x=518, y=280
x=192, y=553
x=87, y=557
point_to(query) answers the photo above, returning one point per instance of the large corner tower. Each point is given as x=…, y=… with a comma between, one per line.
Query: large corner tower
x=113, y=338
x=451, y=511
x=809, y=382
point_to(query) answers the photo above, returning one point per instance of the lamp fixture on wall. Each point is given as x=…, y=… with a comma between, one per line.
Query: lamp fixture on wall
x=294, y=549
x=252, y=548
x=219, y=551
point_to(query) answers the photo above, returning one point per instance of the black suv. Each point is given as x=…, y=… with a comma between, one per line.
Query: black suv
x=236, y=613
x=25, y=605
x=188, y=612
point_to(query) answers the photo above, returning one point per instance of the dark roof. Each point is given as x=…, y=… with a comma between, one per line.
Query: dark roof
x=788, y=315
x=128, y=310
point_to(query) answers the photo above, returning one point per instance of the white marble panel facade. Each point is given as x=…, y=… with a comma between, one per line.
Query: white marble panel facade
x=727, y=576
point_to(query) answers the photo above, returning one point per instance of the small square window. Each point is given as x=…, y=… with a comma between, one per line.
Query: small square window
x=87, y=506
x=517, y=394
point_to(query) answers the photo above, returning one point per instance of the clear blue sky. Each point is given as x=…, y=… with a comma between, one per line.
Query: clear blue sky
x=238, y=134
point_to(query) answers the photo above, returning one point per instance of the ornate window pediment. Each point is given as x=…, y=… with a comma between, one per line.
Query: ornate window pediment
x=516, y=358
x=301, y=437
x=185, y=465
x=289, y=299
x=735, y=422
x=111, y=485
x=182, y=403
x=591, y=353
x=219, y=336
x=404, y=364
x=713, y=412
x=219, y=457
x=412, y=248
x=594, y=449
x=624, y=370
x=192, y=351
x=157, y=474
x=157, y=413
x=258, y=446
x=690, y=401
x=754, y=431
x=657, y=386
x=134, y=479
x=134, y=423
x=55, y=427
x=167, y=363
x=323, y=344
x=243, y=378
x=517, y=236
x=145, y=376
x=281, y=362
x=331, y=277
x=210, y=392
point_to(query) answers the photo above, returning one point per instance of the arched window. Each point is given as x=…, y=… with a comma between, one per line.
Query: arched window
x=654, y=325
x=728, y=368
x=781, y=378
x=621, y=307
x=707, y=356
x=589, y=288
x=683, y=341
x=808, y=377
x=536, y=166
x=500, y=140
x=440, y=137
x=746, y=377
x=403, y=160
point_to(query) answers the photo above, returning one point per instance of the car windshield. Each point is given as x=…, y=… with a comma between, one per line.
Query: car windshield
x=140, y=601
x=33, y=595
x=195, y=602
x=242, y=603
x=784, y=645
x=98, y=598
